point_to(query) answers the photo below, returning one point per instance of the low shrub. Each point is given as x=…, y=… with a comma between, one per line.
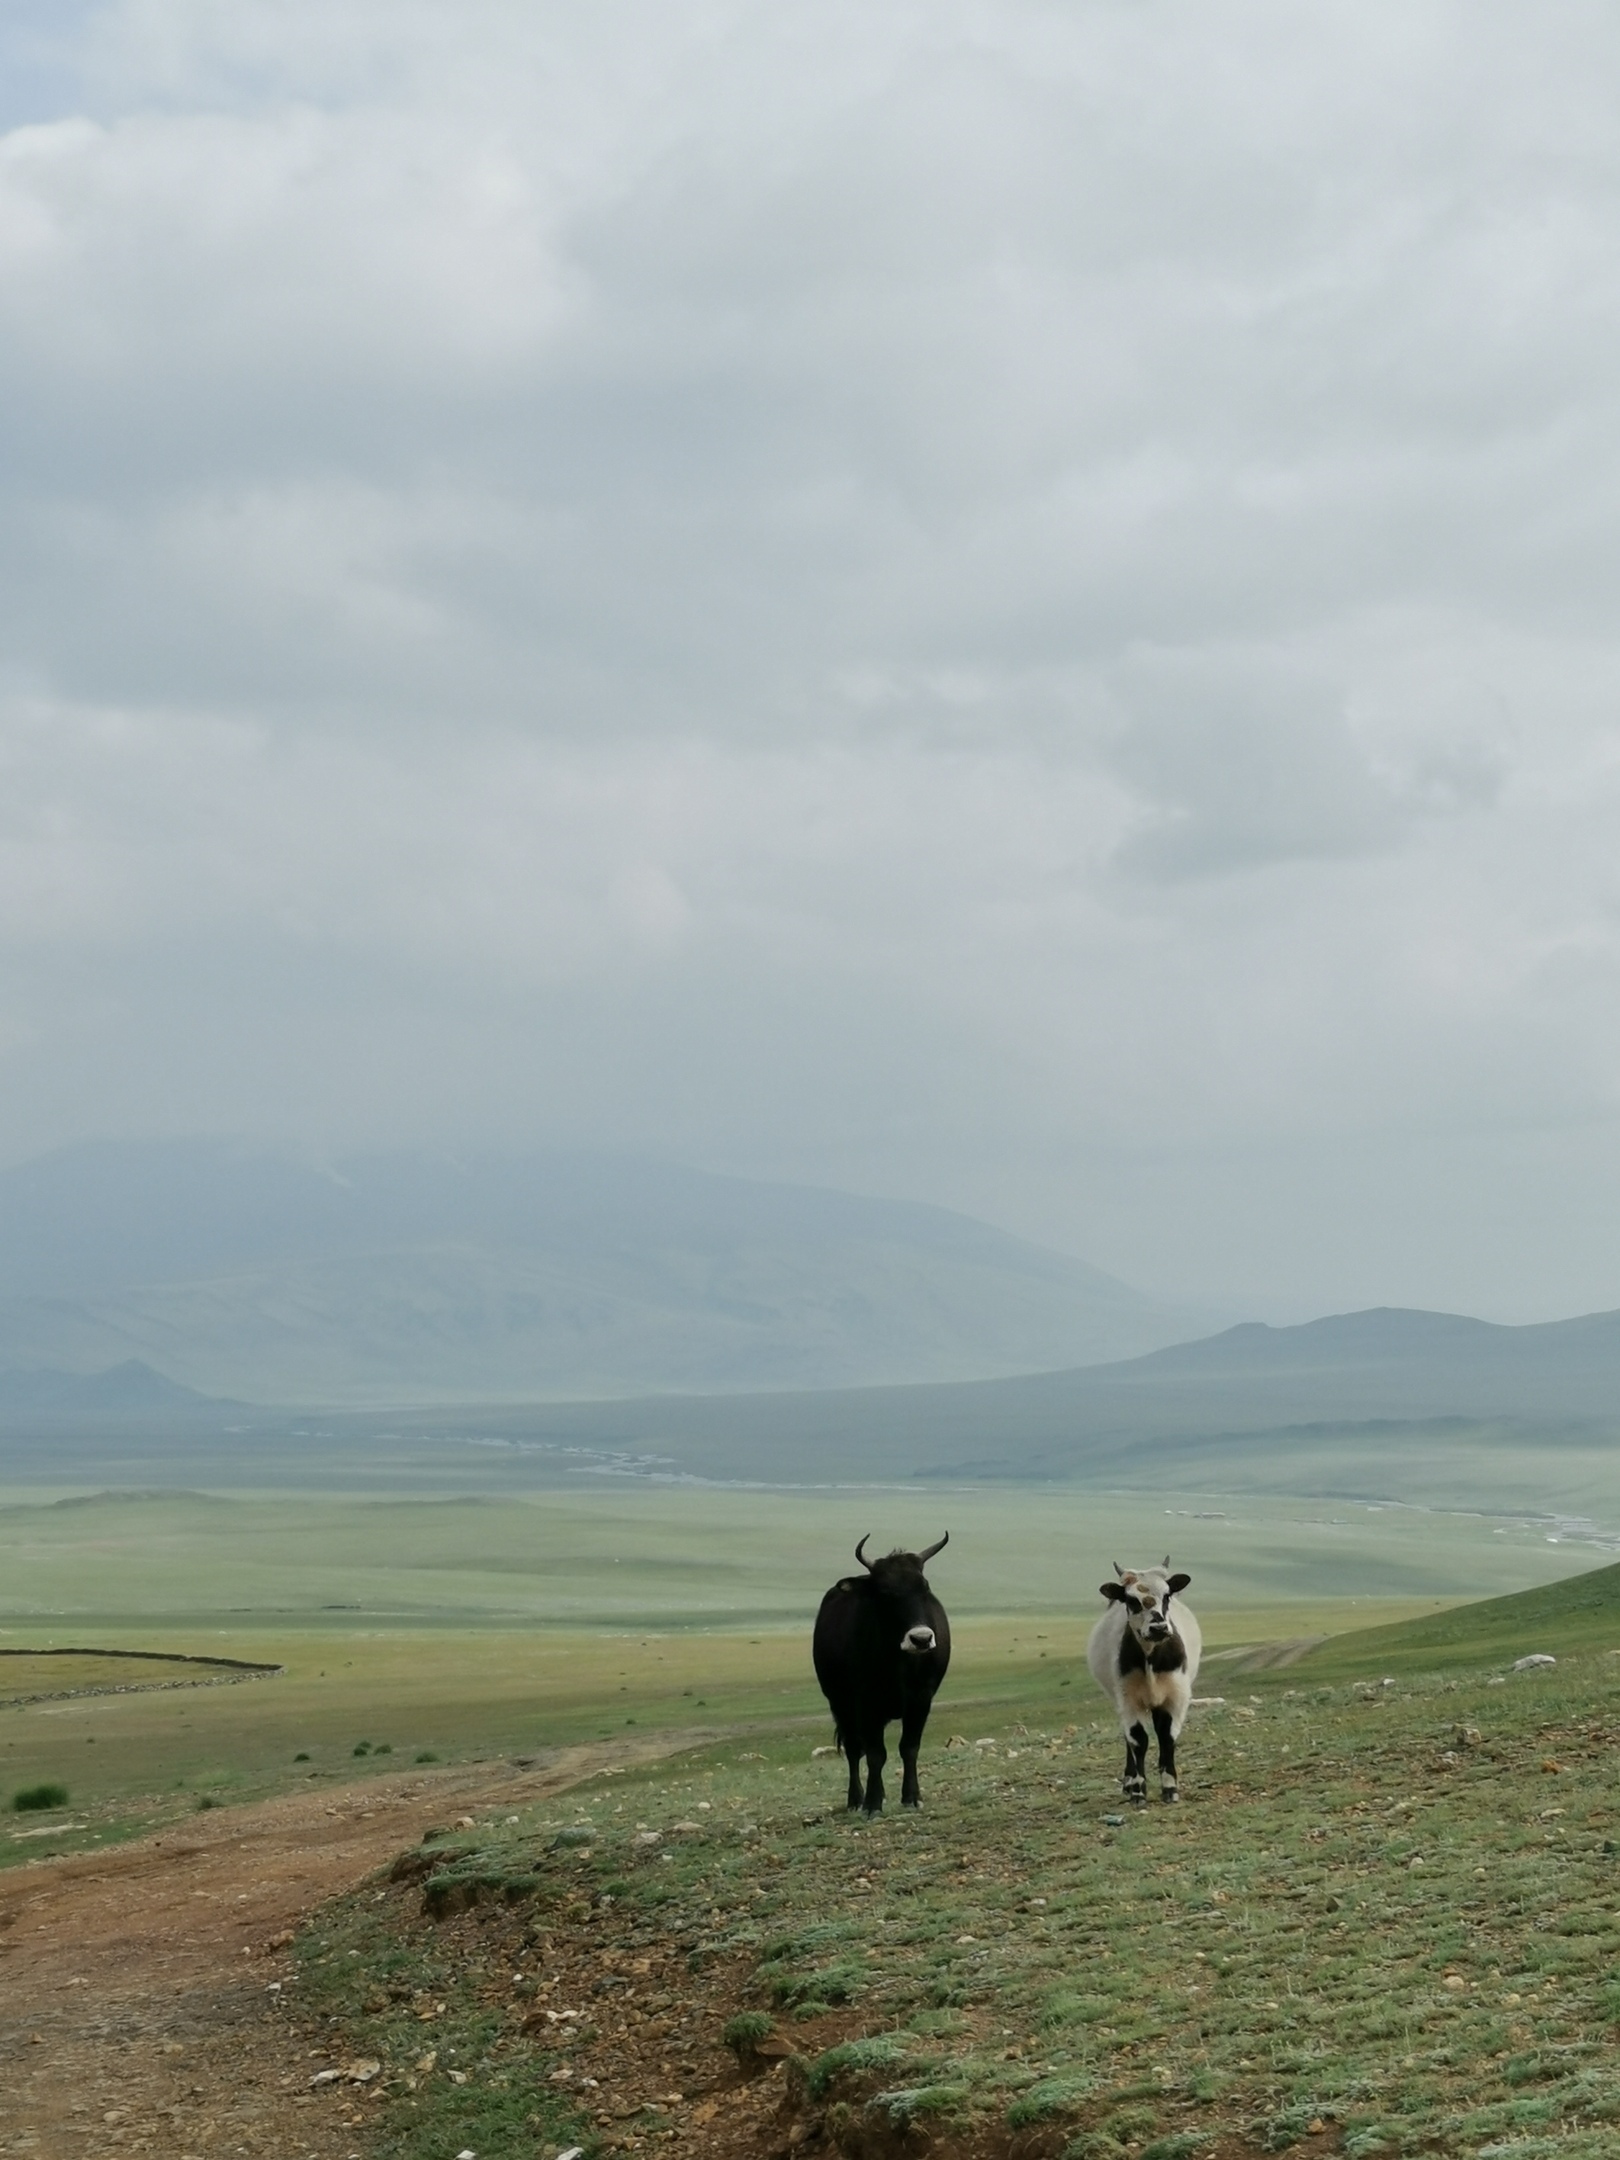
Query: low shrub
x=34, y=1797
x=831, y=1985
x=1053, y=2096
x=851, y=2057
x=911, y=2101
x=743, y=2033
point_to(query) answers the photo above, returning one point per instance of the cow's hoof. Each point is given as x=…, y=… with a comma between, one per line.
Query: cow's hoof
x=1169, y=1795
x=874, y=1809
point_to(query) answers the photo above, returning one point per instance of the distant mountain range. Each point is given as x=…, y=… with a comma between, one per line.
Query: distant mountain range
x=1426, y=1408
x=418, y=1278
x=1389, y=1390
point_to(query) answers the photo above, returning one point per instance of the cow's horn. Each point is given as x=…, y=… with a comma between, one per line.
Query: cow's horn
x=940, y=1547
x=1167, y=1563
x=860, y=1554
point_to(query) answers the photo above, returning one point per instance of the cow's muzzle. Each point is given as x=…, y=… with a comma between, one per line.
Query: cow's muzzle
x=918, y=1640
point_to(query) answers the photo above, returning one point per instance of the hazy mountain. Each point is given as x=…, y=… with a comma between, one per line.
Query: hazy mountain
x=127, y=1394
x=416, y=1277
x=1421, y=1407
x=1426, y=1406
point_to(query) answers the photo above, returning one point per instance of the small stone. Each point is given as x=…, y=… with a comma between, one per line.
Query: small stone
x=1455, y=1982
x=1315, y=2126
x=1535, y=1659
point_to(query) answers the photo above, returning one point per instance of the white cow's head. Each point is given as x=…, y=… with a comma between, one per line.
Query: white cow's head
x=1145, y=1594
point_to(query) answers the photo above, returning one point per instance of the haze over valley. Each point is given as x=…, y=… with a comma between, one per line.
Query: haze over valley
x=411, y=1277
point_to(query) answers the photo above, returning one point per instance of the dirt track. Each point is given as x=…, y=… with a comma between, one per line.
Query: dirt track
x=136, y=2006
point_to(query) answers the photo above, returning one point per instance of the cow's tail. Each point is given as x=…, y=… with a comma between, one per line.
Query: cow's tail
x=838, y=1740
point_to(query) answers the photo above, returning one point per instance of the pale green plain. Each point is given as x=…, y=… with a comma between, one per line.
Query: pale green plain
x=466, y=1628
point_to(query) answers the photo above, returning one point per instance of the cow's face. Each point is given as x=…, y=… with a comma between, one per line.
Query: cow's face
x=899, y=1580
x=1146, y=1595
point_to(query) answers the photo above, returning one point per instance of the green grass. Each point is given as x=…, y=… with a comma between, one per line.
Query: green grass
x=449, y=1630
x=37, y=1799
x=1390, y=1913
x=1272, y=1954
x=678, y=1557
x=1557, y=1619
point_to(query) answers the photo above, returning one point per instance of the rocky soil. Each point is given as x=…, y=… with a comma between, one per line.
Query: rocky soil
x=140, y=1989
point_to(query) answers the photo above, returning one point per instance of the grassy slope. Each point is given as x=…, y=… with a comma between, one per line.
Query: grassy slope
x=497, y=1629
x=1559, y=1619
x=1382, y=1922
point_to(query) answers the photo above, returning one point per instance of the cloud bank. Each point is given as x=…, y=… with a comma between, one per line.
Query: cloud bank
x=1009, y=603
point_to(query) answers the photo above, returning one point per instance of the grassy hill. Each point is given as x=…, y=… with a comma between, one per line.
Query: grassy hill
x=1382, y=1922
x=1577, y=1617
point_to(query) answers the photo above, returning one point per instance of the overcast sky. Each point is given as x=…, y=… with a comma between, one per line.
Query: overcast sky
x=1013, y=604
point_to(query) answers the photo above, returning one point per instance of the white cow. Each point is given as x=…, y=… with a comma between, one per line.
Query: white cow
x=1145, y=1660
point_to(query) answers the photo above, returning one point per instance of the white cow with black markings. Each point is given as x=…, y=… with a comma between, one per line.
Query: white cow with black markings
x=1144, y=1654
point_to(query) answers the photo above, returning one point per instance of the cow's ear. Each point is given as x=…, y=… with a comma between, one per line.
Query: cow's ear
x=1113, y=1592
x=1177, y=1582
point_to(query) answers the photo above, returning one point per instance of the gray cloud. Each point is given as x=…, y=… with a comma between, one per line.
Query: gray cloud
x=1006, y=602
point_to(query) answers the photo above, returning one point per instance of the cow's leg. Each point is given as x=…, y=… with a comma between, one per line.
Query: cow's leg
x=911, y=1732
x=852, y=1755
x=1168, y=1788
x=876, y=1756
x=1136, y=1741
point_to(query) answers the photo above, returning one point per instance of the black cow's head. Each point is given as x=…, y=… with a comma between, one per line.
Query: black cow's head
x=1145, y=1594
x=899, y=1580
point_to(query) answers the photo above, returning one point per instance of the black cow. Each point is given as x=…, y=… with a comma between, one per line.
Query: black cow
x=882, y=1644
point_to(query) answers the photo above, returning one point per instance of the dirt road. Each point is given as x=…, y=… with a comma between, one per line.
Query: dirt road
x=137, y=2012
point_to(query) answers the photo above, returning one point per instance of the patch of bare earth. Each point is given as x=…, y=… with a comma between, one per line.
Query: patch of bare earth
x=633, y=2035
x=138, y=2011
